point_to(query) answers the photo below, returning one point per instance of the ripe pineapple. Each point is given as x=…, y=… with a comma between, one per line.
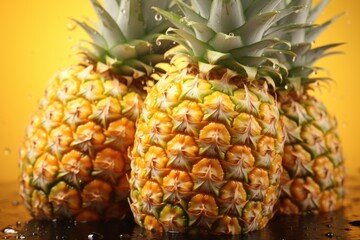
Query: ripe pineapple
x=208, y=144
x=74, y=161
x=313, y=177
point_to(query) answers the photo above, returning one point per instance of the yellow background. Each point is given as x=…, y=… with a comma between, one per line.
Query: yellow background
x=35, y=42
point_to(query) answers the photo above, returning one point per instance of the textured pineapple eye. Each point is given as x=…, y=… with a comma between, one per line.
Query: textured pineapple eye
x=65, y=200
x=92, y=90
x=76, y=167
x=151, y=195
x=214, y=140
x=208, y=175
x=109, y=164
x=77, y=111
x=178, y=186
x=246, y=129
x=232, y=198
x=68, y=89
x=219, y=107
x=96, y=193
x=45, y=170
x=182, y=151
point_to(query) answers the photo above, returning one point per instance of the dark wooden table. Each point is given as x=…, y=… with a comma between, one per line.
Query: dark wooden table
x=16, y=223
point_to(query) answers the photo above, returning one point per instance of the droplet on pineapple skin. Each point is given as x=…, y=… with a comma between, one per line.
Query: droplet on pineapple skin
x=71, y=26
x=231, y=34
x=7, y=151
x=330, y=235
x=276, y=66
x=158, y=17
x=158, y=43
x=123, y=11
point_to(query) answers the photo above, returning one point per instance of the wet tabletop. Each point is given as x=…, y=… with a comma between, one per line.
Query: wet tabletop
x=16, y=223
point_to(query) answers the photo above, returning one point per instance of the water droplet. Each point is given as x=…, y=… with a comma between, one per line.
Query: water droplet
x=297, y=11
x=231, y=34
x=7, y=151
x=158, y=43
x=276, y=66
x=95, y=236
x=71, y=26
x=20, y=236
x=124, y=236
x=286, y=86
x=330, y=235
x=9, y=230
x=158, y=17
x=123, y=11
x=293, y=59
x=18, y=223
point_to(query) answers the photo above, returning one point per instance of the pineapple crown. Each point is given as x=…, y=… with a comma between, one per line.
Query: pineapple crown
x=124, y=39
x=302, y=35
x=235, y=34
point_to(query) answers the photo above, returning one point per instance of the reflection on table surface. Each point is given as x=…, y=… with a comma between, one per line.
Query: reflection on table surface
x=16, y=223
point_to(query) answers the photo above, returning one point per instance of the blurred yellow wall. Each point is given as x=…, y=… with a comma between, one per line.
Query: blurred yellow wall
x=35, y=42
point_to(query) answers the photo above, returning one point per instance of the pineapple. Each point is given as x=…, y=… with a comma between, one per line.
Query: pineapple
x=313, y=177
x=207, y=156
x=74, y=161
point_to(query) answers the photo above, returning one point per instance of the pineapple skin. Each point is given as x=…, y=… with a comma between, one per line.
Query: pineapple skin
x=73, y=162
x=314, y=169
x=206, y=156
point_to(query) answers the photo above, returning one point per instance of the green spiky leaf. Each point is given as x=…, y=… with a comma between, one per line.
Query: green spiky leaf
x=225, y=43
x=226, y=15
x=253, y=30
x=111, y=30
